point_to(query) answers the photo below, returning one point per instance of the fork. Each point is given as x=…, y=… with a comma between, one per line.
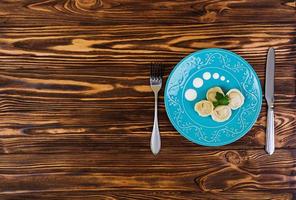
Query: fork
x=156, y=72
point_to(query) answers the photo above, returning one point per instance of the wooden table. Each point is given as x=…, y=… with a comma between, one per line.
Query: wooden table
x=76, y=108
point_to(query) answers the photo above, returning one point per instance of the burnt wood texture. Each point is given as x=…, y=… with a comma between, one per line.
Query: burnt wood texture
x=76, y=108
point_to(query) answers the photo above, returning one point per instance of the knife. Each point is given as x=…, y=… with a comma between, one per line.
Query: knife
x=269, y=96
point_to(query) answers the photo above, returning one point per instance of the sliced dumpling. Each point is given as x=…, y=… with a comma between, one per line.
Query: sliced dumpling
x=221, y=113
x=236, y=98
x=211, y=94
x=204, y=108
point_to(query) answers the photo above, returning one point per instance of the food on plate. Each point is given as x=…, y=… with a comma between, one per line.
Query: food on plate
x=204, y=108
x=236, y=99
x=211, y=93
x=219, y=105
x=221, y=99
x=221, y=113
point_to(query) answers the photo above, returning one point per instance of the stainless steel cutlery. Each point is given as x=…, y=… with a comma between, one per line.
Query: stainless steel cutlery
x=269, y=96
x=156, y=73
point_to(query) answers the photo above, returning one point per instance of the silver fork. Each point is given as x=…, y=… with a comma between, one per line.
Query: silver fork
x=156, y=72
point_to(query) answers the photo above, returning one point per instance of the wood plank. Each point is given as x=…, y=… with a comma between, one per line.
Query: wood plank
x=146, y=194
x=251, y=170
x=125, y=42
x=177, y=170
x=94, y=12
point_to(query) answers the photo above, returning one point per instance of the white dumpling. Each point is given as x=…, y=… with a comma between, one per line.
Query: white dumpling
x=211, y=94
x=236, y=99
x=204, y=108
x=221, y=113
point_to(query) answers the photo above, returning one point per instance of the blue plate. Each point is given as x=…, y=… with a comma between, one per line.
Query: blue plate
x=197, y=73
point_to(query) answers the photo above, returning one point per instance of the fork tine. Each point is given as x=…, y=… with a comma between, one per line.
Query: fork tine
x=159, y=73
x=160, y=66
x=156, y=70
x=151, y=69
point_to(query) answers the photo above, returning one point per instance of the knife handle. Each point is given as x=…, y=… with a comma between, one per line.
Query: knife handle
x=270, y=131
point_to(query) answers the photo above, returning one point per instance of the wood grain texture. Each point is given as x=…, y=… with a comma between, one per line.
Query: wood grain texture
x=76, y=108
x=237, y=170
x=154, y=195
x=98, y=12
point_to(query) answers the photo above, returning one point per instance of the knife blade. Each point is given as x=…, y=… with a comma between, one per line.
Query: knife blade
x=269, y=76
x=269, y=96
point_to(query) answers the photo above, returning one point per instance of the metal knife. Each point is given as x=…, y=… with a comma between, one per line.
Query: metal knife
x=269, y=96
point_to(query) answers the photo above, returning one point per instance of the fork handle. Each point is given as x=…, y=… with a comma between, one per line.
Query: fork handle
x=155, y=142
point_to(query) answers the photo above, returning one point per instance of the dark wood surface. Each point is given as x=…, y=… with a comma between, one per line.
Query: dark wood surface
x=76, y=108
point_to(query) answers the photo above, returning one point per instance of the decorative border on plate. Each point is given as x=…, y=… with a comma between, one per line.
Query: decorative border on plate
x=177, y=83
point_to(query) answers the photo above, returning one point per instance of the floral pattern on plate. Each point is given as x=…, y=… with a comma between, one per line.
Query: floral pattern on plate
x=200, y=71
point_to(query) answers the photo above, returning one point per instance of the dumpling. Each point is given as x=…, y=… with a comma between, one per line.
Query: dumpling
x=204, y=108
x=236, y=98
x=211, y=94
x=221, y=113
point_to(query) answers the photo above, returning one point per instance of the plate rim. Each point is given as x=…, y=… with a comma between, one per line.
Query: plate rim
x=235, y=138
